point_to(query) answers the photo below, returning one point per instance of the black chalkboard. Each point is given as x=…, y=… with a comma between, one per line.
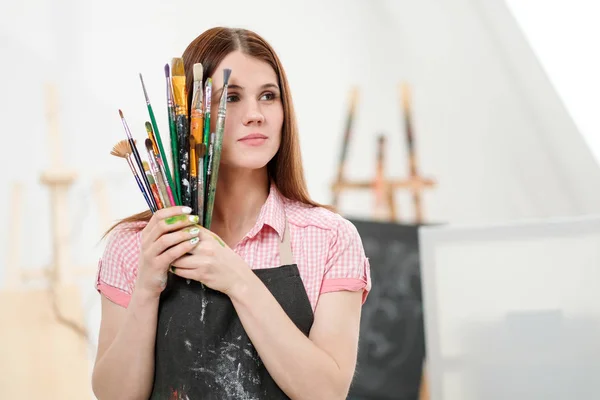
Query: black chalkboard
x=392, y=340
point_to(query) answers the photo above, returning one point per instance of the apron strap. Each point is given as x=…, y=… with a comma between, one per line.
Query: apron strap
x=285, y=247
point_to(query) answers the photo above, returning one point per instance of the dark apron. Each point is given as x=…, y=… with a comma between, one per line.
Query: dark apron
x=202, y=350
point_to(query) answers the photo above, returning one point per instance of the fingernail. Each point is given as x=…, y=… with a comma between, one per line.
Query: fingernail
x=194, y=231
x=186, y=210
x=195, y=240
x=174, y=219
x=194, y=218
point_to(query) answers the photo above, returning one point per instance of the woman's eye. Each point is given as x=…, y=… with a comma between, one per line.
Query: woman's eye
x=232, y=98
x=268, y=96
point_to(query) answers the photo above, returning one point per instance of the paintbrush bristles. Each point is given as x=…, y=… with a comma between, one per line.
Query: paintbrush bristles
x=226, y=74
x=177, y=67
x=149, y=145
x=121, y=149
x=167, y=71
x=198, y=72
x=144, y=88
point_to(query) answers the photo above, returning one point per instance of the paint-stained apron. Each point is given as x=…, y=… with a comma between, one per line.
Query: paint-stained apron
x=202, y=350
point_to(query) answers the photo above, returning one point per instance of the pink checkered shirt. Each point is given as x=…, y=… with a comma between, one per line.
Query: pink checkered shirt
x=326, y=247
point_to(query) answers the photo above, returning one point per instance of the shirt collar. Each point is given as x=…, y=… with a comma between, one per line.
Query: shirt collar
x=272, y=213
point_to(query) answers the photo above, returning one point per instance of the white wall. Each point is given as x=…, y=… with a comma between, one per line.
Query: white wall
x=488, y=126
x=561, y=34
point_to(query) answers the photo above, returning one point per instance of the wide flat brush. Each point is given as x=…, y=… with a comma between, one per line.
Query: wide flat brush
x=183, y=129
x=196, y=136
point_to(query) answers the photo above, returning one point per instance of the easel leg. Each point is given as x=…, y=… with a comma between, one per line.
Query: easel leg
x=424, y=389
x=391, y=200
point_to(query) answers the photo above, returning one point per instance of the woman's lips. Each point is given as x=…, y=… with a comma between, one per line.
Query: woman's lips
x=253, y=139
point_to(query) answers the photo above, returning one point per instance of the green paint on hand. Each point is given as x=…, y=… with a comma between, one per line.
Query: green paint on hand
x=218, y=239
x=180, y=218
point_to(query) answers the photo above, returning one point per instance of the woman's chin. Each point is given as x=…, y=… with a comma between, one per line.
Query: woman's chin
x=249, y=163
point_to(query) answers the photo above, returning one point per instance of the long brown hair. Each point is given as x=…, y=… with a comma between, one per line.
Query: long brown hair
x=210, y=48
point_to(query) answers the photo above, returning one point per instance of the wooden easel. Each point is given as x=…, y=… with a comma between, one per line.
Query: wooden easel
x=45, y=336
x=384, y=189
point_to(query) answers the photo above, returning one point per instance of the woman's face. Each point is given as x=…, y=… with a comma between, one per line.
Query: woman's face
x=254, y=118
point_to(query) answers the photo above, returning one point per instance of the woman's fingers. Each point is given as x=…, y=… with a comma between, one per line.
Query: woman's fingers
x=166, y=213
x=178, y=250
x=170, y=239
x=185, y=273
x=189, y=262
x=171, y=223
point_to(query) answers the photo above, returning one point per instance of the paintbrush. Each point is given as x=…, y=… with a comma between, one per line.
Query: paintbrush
x=201, y=153
x=137, y=158
x=156, y=174
x=196, y=135
x=207, y=105
x=158, y=146
x=152, y=183
x=216, y=158
x=168, y=193
x=208, y=162
x=193, y=174
x=183, y=129
x=175, y=185
x=123, y=150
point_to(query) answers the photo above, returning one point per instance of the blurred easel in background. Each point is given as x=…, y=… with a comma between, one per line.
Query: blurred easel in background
x=383, y=188
x=43, y=338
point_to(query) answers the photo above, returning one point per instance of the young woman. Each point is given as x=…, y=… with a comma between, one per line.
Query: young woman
x=267, y=304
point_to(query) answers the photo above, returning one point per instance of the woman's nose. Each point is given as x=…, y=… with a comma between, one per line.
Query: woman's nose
x=253, y=114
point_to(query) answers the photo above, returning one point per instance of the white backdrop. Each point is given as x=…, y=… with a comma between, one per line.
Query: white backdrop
x=565, y=56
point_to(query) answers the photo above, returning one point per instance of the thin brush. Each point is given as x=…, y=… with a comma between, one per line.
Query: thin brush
x=159, y=150
x=208, y=162
x=183, y=128
x=216, y=159
x=137, y=158
x=123, y=150
x=158, y=179
x=201, y=153
x=193, y=174
x=168, y=193
x=207, y=105
x=173, y=136
x=153, y=186
x=196, y=136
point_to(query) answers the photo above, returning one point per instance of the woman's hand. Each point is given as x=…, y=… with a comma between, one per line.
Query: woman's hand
x=170, y=233
x=214, y=264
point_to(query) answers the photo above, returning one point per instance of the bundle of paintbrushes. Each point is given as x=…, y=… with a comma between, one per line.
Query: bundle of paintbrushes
x=195, y=149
